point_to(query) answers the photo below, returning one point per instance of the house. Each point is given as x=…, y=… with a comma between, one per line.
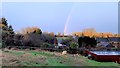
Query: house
x=61, y=46
x=103, y=44
x=115, y=41
x=101, y=39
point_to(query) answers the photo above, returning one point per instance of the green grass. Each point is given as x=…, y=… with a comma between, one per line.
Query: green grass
x=30, y=64
x=96, y=63
x=52, y=60
x=17, y=53
x=47, y=54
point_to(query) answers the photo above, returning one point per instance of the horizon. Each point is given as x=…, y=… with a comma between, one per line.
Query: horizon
x=64, y=17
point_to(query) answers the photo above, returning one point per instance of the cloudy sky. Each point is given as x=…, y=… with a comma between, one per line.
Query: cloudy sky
x=62, y=16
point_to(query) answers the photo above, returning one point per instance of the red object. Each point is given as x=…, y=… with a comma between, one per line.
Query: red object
x=110, y=57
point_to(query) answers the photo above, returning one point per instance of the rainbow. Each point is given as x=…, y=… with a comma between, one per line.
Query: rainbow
x=68, y=20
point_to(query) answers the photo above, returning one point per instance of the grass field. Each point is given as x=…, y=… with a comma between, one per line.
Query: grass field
x=45, y=58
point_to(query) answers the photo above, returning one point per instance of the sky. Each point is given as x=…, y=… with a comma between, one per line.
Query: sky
x=62, y=16
x=60, y=0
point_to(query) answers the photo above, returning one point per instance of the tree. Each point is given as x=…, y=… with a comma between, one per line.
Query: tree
x=89, y=30
x=73, y=45
x=10, y=29
x=73, y=48
x=31, y=30
x=38, y=31
x=67, y=41
x=7, y=33
x=51, y=33
x=18, y=40
x=86, y=41
x=4, y=21
x=59, y=34
x=48, y=38
x=32, y=40
x=38, y=40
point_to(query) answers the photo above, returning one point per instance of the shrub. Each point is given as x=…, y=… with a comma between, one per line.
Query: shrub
x=87, y=41
x=39, y=40
x=73, y=48
x=73, y=45
x=47, y=45
x=67, y=41
x=32, y=40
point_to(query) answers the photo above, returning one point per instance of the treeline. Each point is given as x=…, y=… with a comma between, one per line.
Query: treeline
x=92, y=32
x=31, y=37
x=34, y=37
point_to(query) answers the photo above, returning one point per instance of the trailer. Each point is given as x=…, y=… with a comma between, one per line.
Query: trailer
x=104, y=56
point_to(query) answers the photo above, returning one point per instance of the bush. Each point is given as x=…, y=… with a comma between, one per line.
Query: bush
x=66, y=41
x=39, y=40
x=48, y=38
x=47, y=45
x=73, y=48
x=73, y=45
x=18, y=40
x=87, y=41
x=32, y=40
